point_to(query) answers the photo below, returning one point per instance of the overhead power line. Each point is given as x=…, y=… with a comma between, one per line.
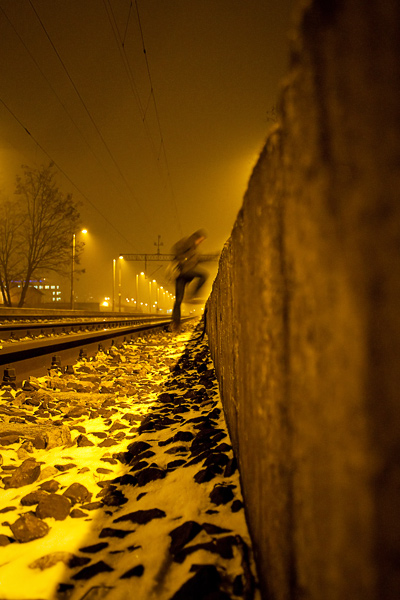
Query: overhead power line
x=162, y=147
x=125, y=62
x=86, y=108
x=58, y=98
x=63, y=172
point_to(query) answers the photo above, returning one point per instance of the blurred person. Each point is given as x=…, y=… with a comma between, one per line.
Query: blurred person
x=186, y=259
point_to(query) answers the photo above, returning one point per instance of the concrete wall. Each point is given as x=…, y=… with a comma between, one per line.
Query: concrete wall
x=304, y=316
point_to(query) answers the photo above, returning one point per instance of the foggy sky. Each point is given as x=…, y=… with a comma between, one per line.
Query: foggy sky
x=157, y=147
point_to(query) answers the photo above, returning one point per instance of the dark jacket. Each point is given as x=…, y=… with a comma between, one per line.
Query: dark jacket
x=186, y=253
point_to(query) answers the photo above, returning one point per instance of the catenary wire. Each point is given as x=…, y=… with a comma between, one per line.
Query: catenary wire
x=127, y=23
x=158, y=119
x=128, y=70
x=143, y=111
x=59, y=99
x=87, y=110
x=65, y=174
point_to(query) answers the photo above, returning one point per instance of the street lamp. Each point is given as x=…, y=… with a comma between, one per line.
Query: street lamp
x=113, y=285
x=73, y=267
x=138, y=304
x=120, y=258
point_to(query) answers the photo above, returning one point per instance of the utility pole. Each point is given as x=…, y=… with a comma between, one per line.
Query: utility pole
x=158, y=243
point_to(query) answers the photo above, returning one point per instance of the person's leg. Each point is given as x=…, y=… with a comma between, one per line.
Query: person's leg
x=201, y=276
x=180, y=284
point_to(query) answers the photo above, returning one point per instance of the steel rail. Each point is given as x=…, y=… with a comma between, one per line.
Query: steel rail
x=12, y=330
x=35, y=357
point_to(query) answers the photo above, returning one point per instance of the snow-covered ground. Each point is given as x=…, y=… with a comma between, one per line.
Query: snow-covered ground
x=119, y=481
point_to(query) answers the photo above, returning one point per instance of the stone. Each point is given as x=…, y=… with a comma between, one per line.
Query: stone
x=107, y=443
x=115, y=533
x=221, y=546
x=224, y=447
x=33, y=498
x=49, y=486
x=183, y=534
x=137, y=448
x=7, y=509
x=55, y=506
x=65, y=467
x=221, y=494
x=82, y=441
x=114, y=498
x=174, y=464
x=177, y=450
x=92, y=570
x=206, y=475
x=93, y=549
x=48, y=472
x=79, y=428
x=149, y=474
x=28, y=528
x=204, y=583
x=183, y=436
x=25, y=474
x=134, y=572
x=117, y=425
x=236, y=506
x=58, y=436
x=141, y=517
x=64, y=590
x=98, y=592
x=126, y=479
x=130, y=417
x=139, y=465
x=77, y=411
x=230, y=468
x=39, y=442
x=49, y=560
x=22, y=454
x=99, y=434
x=76, y=513
x=92, y=505
x=28, y=446
x=165, y=397
x=5, y=540
x=217, y=458
x=78, y=561
x=77, y=493
x=212, y=529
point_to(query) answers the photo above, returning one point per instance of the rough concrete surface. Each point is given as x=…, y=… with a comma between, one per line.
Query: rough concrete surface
x=304, y=320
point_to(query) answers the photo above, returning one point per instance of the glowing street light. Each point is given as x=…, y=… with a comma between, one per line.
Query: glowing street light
x=84, y=231
x=120, y=259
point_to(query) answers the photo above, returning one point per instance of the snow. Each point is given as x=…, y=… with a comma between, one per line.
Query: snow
x=134, y=376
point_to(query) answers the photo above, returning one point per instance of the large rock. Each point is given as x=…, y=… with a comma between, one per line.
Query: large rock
x=53, y=505
x=28, y=528
x=25, y=474
x=77, y=493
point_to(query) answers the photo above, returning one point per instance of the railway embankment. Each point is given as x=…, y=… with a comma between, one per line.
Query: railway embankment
x=304, y=322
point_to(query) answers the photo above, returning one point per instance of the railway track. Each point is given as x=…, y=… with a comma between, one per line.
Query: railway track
x=30, y=346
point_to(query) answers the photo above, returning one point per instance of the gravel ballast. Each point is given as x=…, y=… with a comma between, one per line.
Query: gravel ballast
x=119, y=480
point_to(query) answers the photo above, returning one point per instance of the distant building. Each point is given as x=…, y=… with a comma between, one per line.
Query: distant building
x=51, y=292
x=39, y=292
x=33, y=297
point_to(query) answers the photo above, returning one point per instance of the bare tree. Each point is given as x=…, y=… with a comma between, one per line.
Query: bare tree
x=49, y=220
x=11, y=259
